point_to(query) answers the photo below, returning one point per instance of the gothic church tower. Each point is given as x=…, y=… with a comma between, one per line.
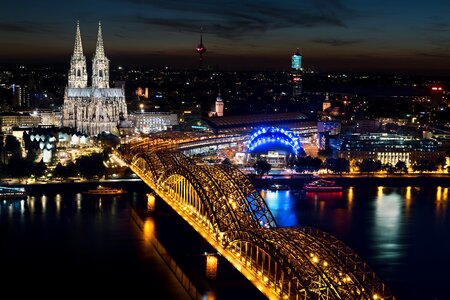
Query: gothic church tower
x=100, y=64
x=98, y=108
x=78, y=74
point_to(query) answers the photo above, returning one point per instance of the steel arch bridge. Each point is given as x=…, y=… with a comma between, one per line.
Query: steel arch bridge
x=222, y=205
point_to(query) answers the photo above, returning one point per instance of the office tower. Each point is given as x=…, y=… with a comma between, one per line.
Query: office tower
x=296, y=73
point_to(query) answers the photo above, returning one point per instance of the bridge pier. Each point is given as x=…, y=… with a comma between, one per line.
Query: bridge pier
x=211, y=265
x=151, y=202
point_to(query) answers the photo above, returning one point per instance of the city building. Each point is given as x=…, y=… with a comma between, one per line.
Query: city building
x=388, y=148
x=48, y=141
x=326, y=103
x=436, y=96
x=18, y=119
x=218, y=108
x=50, y=117
x=21, y=96
x=98, y=108
x=140, y=92
x=296, y=73
x=149, y=122
x=299, y=123
x=325, y=130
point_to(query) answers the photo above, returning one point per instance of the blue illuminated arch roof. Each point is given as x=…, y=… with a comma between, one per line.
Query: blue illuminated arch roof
x=267, y=135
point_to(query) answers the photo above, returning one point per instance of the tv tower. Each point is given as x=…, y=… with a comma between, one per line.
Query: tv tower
x=200, y=50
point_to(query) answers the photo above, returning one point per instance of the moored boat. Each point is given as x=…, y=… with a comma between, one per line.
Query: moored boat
x=12, y=192
x=279, y=187
x=104, y=190
x=322, y=185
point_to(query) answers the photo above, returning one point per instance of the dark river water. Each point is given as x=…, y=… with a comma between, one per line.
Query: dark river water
x=63, y=239
x=402, y=232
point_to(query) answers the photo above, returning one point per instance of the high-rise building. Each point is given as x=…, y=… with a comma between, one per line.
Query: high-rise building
x=437, y=93
x=296, y=61
x=21, y=96
x=96, y=109
x=296, y=73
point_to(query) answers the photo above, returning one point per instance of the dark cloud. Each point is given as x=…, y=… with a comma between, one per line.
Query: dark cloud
x=5, y=27
x=173, y=25
x=336, y=42
x=121, y=36
x=436, y=26
x=27, y=27
x=433, y=54
x=236, y=19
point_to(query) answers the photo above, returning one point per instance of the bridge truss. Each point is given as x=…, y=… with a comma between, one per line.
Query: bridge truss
x=222, y=205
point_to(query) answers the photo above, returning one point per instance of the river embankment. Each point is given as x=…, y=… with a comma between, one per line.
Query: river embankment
x=61, y=187
x=431, y=180
x=294, y=182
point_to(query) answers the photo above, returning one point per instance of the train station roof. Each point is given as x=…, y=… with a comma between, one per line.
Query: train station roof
x=289, y=119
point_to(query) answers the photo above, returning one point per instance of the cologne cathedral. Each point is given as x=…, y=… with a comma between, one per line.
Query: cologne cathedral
x=96, y=109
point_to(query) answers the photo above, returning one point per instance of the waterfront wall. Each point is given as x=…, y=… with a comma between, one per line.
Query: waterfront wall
x=359, y=180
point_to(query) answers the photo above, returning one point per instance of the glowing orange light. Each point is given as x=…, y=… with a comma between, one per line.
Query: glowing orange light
x=149, y=229
x=150, y=202
x=211, y=266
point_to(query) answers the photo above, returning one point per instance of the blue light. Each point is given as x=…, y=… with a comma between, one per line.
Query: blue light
x=273, y=135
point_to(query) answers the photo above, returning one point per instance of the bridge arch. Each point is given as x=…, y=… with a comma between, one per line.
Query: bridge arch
x=193, y=189
x=306, y=263
x=284, y=262
x=210, y=192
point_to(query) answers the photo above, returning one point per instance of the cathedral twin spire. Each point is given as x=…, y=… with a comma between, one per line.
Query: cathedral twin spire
x=78, y=50
x=78, y=72
x=100, y=64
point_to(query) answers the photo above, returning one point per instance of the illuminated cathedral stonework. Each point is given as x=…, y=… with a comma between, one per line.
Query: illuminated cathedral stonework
x=96, y=109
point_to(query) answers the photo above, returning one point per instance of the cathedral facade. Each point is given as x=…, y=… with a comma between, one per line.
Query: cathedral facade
x=98, y=108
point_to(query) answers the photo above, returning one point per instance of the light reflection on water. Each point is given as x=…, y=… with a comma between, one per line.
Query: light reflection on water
x=53, y=205
x=402, y=232
x=388, y=223
x=281, y=204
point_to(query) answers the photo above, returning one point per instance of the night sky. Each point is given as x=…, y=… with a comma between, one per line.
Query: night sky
x=394, y=36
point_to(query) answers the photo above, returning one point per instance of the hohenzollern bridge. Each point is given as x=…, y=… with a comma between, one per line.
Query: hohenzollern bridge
x=223, y=206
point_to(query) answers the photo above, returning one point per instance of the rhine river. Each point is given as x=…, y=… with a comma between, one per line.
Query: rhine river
x=58, y=239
